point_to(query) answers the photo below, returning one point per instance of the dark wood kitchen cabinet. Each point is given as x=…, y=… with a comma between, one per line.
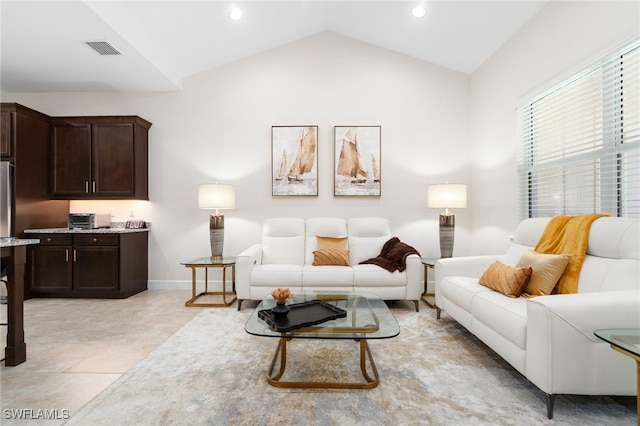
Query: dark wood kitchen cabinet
x=100, y=157
x=25, y=142
x=5, y=134
x=91, y=265
x=51, y=267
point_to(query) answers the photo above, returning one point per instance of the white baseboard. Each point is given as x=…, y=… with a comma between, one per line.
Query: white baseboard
x=214, y=285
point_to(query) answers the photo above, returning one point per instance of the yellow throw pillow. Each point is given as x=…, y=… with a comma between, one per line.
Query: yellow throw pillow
x=547, y=270
x=508, y=280
x=331, y=257
x=339, y=243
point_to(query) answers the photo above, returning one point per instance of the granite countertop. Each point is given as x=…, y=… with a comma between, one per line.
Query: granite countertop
x=84, y=231
x=14, y=242
x=116, y=228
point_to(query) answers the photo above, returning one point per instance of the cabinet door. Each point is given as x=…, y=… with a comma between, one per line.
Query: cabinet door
x=71, y=159
x=51, y=269
x=5, y=134
x=95, y=269
x=113, y=160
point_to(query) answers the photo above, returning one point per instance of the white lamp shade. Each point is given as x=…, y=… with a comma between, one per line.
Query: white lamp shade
x=216, y=196
x=447, y=196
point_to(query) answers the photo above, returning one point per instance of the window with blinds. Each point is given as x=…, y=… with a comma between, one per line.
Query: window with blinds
x=579, y=143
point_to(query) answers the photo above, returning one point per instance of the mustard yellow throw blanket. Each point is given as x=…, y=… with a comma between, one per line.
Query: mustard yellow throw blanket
x=568, y=235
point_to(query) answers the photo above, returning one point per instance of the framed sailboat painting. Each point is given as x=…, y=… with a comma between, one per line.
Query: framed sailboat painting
x=294, y=161
x=357, y=160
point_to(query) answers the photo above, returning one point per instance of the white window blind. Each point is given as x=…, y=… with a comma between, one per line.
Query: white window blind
x=579, y=143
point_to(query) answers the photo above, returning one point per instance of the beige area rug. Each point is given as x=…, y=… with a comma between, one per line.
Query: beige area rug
x=434, y=373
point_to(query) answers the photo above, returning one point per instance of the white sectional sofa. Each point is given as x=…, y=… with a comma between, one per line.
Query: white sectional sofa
x=284, y=258
x=549, y=339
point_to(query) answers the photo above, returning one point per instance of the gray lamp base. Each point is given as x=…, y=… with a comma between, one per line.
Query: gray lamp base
x=216, y=235
x=447, y=226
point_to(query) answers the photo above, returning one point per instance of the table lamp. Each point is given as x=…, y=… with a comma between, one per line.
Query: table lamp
x=216, y=196
x=447, y=196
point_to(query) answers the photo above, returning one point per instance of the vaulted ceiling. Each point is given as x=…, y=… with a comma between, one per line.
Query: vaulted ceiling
x=161, y=42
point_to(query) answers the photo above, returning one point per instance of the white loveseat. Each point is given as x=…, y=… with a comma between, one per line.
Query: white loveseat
x=284, y=259
x=549, y=339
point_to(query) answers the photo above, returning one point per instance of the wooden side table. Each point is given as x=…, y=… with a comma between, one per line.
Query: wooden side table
x=428, y=298
x=206, y=263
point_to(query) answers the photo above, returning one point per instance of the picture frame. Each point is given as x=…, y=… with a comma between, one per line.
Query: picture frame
x=294, y=161
x=357, y=161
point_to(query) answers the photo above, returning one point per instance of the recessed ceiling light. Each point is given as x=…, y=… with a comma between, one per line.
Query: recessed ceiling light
x=235, y=13
x=419, y=11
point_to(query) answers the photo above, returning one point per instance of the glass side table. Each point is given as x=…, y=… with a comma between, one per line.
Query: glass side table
x=428, y=298
x=206, y=263
x=627, y=342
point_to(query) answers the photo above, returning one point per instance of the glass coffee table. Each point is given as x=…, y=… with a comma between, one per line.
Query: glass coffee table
x=367, y=317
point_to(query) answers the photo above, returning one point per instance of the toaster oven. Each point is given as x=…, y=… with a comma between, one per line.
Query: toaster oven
x=89, y=220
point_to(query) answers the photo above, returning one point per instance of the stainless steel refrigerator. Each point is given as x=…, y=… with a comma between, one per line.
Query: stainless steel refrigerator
x=6, y=200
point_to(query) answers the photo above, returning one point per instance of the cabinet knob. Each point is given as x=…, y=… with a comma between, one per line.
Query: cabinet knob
x=95, y=240
x=49, y=239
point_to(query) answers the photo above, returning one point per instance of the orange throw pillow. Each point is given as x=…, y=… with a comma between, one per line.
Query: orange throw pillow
x=331, y=257
x=331, y=243
x=508, y=280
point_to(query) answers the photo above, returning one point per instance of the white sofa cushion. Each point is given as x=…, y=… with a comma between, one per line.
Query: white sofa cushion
x=283, y=241
x=284, y=274
x=506, y=316
x=612, y=261
x=462, y=290
x=366, y=238
x=327, y=276
x=600, y=274
x=614, y=237
x=375, y=276
x=526, y=238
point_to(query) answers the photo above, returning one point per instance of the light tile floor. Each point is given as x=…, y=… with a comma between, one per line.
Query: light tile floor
x=78, y=347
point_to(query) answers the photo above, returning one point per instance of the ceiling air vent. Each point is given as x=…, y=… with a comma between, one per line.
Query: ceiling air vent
x=103, y=48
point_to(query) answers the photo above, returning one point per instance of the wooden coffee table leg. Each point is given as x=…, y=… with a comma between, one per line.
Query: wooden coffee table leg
x=281, y=350
x=365, y=353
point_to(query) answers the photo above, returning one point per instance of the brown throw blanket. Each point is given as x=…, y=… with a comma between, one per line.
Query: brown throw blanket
x=393, y=255
x=568, y=235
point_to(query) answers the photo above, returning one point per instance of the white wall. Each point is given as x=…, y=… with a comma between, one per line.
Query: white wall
x=560, y=40
x=436, y=124
x=219, y=129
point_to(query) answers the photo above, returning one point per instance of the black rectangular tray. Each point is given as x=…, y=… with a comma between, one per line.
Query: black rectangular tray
x=304, y=314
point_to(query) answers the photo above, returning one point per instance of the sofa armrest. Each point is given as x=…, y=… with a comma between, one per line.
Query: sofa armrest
x=415, y=275
x=469, y=266
x=244, y=264
x=563, y=355
x=585, y=312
